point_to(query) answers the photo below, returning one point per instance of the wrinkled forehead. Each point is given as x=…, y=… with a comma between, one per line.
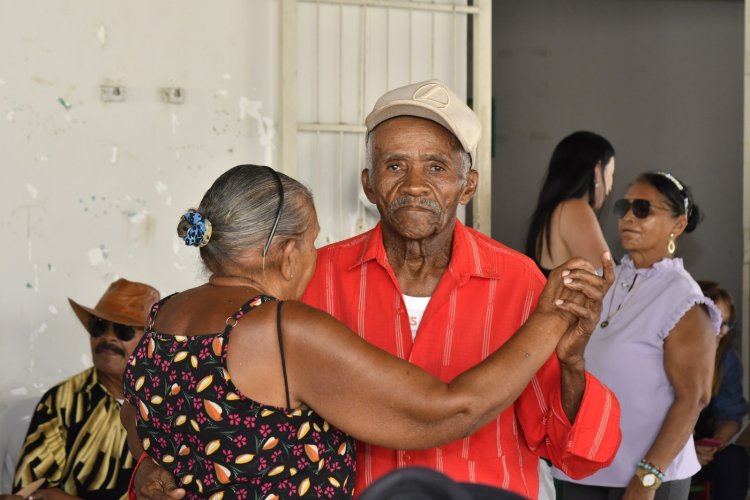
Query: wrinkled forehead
x=398, y=126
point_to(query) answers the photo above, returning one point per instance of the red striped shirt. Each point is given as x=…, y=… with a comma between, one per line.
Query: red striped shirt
x=485, y=295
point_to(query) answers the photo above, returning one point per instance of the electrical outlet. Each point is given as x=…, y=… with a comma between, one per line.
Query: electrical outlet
x=112, y=93
x=173, y=95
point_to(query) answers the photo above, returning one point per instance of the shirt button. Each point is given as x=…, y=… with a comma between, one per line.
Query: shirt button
x=407, y=458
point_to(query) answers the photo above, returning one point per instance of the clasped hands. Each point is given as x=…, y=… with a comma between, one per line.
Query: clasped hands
x=576, y=291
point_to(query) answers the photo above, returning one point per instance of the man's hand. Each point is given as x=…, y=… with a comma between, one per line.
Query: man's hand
x=582, y=299
x=51, y=494
x=586, y=305
x=152, y=482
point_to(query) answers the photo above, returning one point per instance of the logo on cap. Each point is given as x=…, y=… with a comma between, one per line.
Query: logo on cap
x=433, y=94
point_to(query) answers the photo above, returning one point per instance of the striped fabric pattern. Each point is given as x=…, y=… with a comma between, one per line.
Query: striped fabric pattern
x=77, y=442
x=484, y=296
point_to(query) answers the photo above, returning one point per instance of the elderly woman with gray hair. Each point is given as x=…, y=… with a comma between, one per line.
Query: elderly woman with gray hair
x=266, y=405
x=654, y=348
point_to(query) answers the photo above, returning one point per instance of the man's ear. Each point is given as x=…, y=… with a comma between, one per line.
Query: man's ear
x=289, y=259
x=366, y=185
x=472, y=178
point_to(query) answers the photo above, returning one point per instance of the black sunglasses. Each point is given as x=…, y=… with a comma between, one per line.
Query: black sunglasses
x=641, y=208
x=278, y=210
x=98, y=327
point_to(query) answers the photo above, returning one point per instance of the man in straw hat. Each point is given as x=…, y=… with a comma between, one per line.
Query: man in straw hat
x=75, y=440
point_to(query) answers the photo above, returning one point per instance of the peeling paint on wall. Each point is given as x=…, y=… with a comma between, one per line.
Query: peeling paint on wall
x=175, y=123
x=113, y=157
x=52, y=309
x=97, y=255
x=33, y=192
x=266, y=128
x=101, y=34
x=42, y=328
x=137, y=217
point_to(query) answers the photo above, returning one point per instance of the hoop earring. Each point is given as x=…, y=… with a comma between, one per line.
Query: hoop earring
x=671, y=247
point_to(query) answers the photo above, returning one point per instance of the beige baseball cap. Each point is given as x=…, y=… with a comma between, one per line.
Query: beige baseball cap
x=432, y=100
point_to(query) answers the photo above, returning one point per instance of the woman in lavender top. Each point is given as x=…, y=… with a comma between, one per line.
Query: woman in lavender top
x=654, y=348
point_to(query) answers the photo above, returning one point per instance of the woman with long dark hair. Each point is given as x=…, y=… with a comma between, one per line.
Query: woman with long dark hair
x=579, y=178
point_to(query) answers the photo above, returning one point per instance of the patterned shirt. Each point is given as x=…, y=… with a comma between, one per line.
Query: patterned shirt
x=641, y=309
x=217, y=442
x=485, y=295
x=76, y=441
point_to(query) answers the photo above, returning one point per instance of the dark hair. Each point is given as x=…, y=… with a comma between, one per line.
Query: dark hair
x=677, y=194
x=716, y=293
x=241, y=206
x=570, y=175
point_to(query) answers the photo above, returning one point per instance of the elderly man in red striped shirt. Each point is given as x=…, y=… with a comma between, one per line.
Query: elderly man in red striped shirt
x=424, y=287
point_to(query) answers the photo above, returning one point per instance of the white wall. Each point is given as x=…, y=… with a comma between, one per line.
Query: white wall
x=662, y=80
x=94, y=192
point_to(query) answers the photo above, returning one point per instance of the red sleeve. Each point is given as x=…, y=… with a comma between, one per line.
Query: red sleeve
x=580, y=449
x=314, y=294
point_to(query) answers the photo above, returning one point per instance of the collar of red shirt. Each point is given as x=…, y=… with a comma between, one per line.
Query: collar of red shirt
x=470, y=255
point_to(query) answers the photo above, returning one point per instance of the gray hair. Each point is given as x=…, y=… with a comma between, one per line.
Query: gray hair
x=465, y=156
x=241, y=206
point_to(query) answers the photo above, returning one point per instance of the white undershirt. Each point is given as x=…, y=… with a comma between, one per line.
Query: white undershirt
x=415, y=307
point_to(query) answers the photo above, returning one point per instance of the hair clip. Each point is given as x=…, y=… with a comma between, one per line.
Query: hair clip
x=199, y=232
x=679, y=186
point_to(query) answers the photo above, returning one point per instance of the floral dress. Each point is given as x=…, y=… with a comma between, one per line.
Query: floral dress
x=220, y=444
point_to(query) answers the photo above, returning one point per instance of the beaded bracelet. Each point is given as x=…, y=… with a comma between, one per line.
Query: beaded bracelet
x=651, y=468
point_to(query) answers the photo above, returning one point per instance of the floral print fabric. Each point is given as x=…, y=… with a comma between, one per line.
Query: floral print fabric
x=217, y=442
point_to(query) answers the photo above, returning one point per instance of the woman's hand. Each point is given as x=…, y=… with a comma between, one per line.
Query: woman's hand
x=585, y=291
x=705, y=453
x=636, y=491
x=152, y=482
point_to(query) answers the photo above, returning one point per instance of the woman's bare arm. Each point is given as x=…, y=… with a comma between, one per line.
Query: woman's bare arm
x=689, y=352
x=384, y=400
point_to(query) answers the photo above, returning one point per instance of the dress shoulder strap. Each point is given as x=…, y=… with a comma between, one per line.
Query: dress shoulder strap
x=281, y=350
x=154, y=309
x=247, y=307
x=232, y=320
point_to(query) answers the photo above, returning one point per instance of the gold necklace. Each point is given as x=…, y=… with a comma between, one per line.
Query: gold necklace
x=610, y=314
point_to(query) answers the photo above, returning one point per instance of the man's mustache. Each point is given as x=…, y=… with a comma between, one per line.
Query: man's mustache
x=405, y=201
x=106, y=346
